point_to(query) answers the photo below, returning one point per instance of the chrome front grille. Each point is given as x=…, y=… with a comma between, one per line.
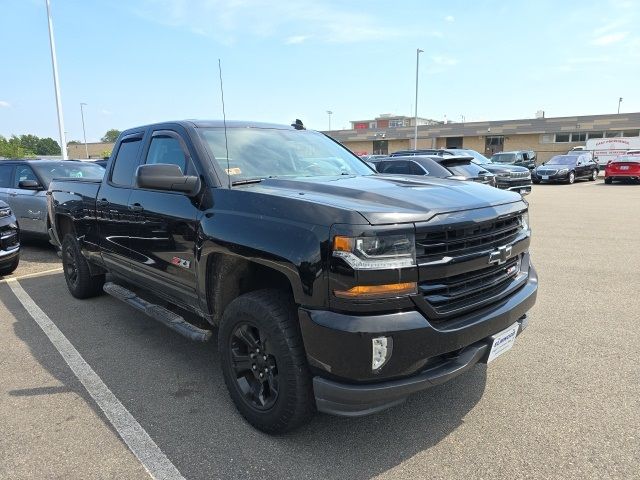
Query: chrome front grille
x=547, y=172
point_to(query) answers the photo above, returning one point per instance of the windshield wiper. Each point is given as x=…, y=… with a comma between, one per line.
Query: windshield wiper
x=246, y=181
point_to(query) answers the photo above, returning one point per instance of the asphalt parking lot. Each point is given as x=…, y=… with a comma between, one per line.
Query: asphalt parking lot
x=564, y=403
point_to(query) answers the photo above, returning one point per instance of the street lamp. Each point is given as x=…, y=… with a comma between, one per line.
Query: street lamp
x=329, y=112
x=54, y=66
x=84, y=133
x=619, y=102
x=415, y=131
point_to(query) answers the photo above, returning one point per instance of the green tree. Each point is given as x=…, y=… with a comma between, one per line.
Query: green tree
x=74, y=142
x=12, y=148
x=111, y=136
x=29, y=143
x=48, y=146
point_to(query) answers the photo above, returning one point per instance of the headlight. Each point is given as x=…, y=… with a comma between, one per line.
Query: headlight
x=5, y=212
x=524, y=220
x=563, y=171
x=376, y=252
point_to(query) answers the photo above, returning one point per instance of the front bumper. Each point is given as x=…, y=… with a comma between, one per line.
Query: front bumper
x=424, y=353
x=9, y=241
x=522, y=186
x=552, y=178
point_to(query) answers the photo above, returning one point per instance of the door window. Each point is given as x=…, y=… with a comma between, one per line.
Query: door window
x=395, y=168
x=416, y=169
x=167, y=150
x=5, y=176
x=126, y=162
x=23, y=172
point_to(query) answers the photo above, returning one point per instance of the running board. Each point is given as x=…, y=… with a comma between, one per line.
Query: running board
x=167, y=317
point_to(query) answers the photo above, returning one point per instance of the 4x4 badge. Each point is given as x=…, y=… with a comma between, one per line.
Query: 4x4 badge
x=500, y=255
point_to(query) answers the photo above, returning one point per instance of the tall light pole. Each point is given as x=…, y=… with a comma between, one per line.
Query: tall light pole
x=54, y=65
x=84, y=133
x=415, y=131
x=329, y=112
x=619, y=102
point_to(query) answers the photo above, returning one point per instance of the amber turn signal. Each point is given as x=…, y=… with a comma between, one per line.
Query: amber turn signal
x=378, y=291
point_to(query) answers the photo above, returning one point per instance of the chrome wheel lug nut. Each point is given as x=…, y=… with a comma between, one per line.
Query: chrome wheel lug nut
x=261, y=375
x=264, y=357
x=253, y=367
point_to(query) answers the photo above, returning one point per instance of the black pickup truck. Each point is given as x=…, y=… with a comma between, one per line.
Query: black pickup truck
x=333, y=288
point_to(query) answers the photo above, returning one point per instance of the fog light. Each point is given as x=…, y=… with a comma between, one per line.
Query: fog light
x=381, y=351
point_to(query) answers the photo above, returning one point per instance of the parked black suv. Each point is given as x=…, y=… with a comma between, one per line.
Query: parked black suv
x=333, y=287
x=9, y=240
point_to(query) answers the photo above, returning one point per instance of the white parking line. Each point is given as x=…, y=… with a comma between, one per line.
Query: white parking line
x=35, y=274
x=139, y=442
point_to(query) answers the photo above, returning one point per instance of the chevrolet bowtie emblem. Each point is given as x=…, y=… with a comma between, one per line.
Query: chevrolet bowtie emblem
x=500, y=255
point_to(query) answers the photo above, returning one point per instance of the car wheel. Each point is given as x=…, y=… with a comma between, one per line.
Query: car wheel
x=594, y=175
x=536, y=181
x=9, y=269
x=80, y=282
x=608, y=180
x=263, y=361
x=571, y=178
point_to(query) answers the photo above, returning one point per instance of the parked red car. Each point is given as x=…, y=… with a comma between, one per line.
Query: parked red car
x=625, y=167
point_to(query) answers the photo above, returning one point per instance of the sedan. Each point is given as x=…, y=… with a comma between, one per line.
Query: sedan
x=9, y=240
x=625, y=167
x=567, y=169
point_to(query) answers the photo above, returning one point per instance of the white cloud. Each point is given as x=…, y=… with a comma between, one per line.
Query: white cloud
x=4, y=104
x=444, y=61
x=296, y=39
x=609, y=38
x=449, y=18
x=229, y=20
x=104, y=111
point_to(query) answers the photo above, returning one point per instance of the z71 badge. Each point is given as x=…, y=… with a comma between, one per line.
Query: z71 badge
x=180, y=262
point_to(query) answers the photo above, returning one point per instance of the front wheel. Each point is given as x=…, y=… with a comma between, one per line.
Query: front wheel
x=264, y=363
x=80, y=282
x=10, y=268
x=572, y=178
x=594, y=176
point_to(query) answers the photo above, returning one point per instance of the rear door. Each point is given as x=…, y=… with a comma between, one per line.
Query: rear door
x=115, y=219
x=29, y=206
x=166, y=223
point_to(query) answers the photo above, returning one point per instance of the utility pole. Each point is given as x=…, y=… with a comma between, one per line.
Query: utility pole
x=329, y=112
x=619, y=102
x=54, y=65
x=84, y=132
x=415, y=131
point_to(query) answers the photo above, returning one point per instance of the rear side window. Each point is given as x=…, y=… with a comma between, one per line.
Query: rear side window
x=394, y=168
x=126, y=162
x=167, y=150
x=5, y=176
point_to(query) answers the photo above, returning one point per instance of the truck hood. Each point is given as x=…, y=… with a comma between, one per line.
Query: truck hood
x=386, y=199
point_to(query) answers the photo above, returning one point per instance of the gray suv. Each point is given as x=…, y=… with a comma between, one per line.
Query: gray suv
x=24, y=184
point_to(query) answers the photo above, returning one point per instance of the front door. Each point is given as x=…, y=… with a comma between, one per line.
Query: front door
x=29, y=206
x=166, y=224
x=115, y=219
x=6, y=179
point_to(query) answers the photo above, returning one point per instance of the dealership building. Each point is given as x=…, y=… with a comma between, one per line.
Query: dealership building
x=546, y=136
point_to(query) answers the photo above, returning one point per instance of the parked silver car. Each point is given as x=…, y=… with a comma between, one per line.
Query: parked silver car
x=24, y=184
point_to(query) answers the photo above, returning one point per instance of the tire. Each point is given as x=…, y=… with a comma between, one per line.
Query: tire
x=80, y=282
x=594, y=175
x=537, y=182
x=259, y=335
x=571, y=178
x=9, y=269
x=608, y=180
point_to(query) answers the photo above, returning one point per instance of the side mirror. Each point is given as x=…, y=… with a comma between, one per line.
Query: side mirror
x=30, y=185
x=163, y=176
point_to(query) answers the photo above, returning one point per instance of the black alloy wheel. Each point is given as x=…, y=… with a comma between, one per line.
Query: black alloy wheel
x=71, y=266
x=255, y=366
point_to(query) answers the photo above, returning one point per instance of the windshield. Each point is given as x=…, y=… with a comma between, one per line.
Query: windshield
x=478, y=157
x=256, y=153
x=627, y=158
x=48, y=171
x=467, y=170
x=562, y=160
x=504, y=158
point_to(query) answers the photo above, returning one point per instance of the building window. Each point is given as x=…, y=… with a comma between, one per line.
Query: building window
x=381, y=147
x=578, y=136
x=373, y=125
x=562, y=137
x=612, y=134
x=396, y=123
x=360, y=126
x=631, y=133
x=594, y=135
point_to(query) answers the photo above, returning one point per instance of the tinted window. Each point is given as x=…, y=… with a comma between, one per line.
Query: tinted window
x=48, y=171
x=166, y=150
x=5, y=176
x=467, y=170
x=23, y=172
x=397, y=168
x=126, y=163
x=562, y=160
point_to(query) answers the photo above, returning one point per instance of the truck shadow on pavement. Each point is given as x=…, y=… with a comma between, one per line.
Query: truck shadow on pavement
x=175, y=390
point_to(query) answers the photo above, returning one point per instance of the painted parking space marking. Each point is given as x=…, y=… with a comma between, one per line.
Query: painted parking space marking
x=136, y=438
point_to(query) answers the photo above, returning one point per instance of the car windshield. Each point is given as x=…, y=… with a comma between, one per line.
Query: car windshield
x=627, y=158
x=504, y=158
x=47, y=171
x=467, y=170
x=257, y=153
x=562, y=160
x=478, y=157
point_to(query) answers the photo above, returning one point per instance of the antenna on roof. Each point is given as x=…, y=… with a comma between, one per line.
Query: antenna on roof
x=224, y=120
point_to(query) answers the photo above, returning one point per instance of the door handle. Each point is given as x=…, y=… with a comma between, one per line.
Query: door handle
x=136, y=207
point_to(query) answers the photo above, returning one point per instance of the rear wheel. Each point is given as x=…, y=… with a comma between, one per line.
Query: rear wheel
x=571, y=178
x=80, y=282
x=263, y=361
x=594, y=175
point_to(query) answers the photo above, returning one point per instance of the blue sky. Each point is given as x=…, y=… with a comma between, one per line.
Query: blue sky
x=140, y=61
